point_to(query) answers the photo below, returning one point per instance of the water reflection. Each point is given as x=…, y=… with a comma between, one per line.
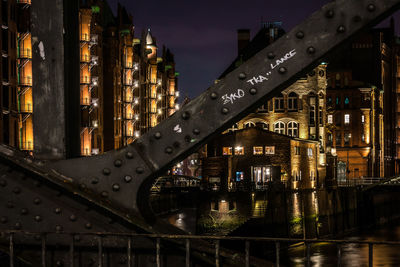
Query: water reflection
x=324, y=254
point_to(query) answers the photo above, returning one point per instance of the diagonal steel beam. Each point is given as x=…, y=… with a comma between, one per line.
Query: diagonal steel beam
x=120, y=179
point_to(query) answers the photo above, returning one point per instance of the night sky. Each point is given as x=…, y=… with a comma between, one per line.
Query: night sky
x=202, y=34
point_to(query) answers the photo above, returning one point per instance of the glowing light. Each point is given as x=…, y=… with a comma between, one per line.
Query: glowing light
x=177, y=93
x=159, y=111
x=159, y=97
x=178, y=165
x=177, y=106
x=136, y=101
x=136, y=84
x=136, y=117
x=137, y=134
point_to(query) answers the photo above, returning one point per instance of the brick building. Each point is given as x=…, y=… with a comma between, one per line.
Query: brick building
x=256, y=156
x=122, y=90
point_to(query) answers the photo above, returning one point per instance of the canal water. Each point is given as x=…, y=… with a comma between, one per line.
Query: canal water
x=308, y=214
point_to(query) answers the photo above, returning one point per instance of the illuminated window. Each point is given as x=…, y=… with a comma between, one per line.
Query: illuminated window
x=362, y=118
x=239, y=150
x=279, y=127
x=269, y=150
x=347, y=137
x=249, y=124
x=310, y=152
x=297, y=150
x=239, y=176
x=258, y=150
x=346, y=118
x=226, y=151
x=293, y=129
x=330, y=118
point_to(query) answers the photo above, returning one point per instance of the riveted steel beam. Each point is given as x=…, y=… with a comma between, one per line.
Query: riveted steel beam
x=119, y=178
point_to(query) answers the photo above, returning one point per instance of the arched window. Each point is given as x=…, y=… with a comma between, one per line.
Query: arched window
x=293, y=129
x=292, y=101
x=249, y=124
x=279, y=127
x=279, y=103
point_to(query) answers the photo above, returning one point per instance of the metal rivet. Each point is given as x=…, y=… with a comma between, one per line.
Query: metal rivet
x=3, y=219
x=186, y=115
x=168, y=150
x=329, y=14
x=72, y=218
x=213, y=95
x=271, y=55
x=88, y=225
x=282, y=70
x=18, y=225
x=95, y=180
x=118, y=163
x=115, y=187
x=157, y=135
x=253, y=91
x=38, y=218
x=82, y=186
x=104, y=194
x=58, y=228
x=57, y=210
x=196, y=131
x=127, y=178
x=24, y=211
x=242, y=76
x=371, y=7
x=311, y=50
x=300, y=35
x=37, y=201
x=10, y=204
x=129, y=155
x=106, y=171
x=139, y=170
x=341, y=29
x=3, y=183
x=224, y=110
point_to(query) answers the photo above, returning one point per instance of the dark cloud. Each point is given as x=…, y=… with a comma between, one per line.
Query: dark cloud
x=202, y=34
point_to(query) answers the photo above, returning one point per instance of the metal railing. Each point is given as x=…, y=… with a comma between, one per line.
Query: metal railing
x=359, y=181
x=186, y=242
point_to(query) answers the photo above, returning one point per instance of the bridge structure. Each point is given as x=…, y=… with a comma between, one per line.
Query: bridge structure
x=58, y=213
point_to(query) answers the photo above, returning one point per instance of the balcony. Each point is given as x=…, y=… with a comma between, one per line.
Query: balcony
x=85, y=80
x=128, y=65
x=24, y=2
x=25, y=81
x=85, y=101
x=128, y=82
x=85, y=58
x=26, y=108
x=27, y=145
x=85, y=37
x=129, y=116
x=25, y=53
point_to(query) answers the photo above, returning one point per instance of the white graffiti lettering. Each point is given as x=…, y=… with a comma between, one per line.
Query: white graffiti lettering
x=232, y=97
x=283, y=59
x=258, y=79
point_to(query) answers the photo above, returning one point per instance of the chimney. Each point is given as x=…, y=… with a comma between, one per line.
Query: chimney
x=243, y=39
